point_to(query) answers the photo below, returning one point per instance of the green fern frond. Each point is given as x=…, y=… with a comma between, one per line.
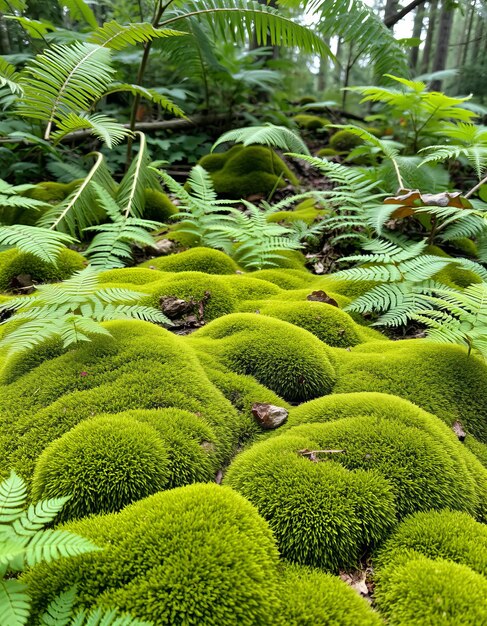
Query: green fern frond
x=80, y=11
x=13, y=495
x=476, y=154
x=268, y=135
x=9, y=77
x=59, y=612
x=130, y=195
x=40, y=242
x=49, y=545
x=149, y=94
x=105, y=128
x=118, y=36
x=37, y=516
x=14, y=603
x=110, y=617
x=242, y=20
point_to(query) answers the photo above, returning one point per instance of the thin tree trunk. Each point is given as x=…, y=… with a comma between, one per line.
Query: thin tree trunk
x=5, y=47
x=417, y=30
x=468, y=33
x=390, y=10
x=323, y=70
x=428, y=46
x=475, y=58
x=444, y=32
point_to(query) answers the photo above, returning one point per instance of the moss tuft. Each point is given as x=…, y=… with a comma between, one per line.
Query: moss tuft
x=311, y=597
x=196, y=555
x=243, y=171
x=104, y=464
x=284, y=358
x=344, y=141
x=310, y=122
x=158, y=206
x=195, y=260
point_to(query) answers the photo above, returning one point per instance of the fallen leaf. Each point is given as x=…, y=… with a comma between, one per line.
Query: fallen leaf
x=321, y=296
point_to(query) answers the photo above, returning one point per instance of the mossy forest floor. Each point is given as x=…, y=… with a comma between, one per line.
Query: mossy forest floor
x=205, y=517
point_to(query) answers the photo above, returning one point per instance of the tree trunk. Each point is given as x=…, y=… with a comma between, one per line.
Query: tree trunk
x=323, y=70
x=444, y=32
x=390, y=10
x=417, y=30
x=477, y=42
x=428, y=46
x=5, y=47
x=467, y=34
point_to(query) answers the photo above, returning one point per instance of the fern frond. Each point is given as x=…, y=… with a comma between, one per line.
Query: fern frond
x=201, y=185
x=475, y=154
x=268, y=135
x=80, y=11
x=149, y=94
x=103, y=127
x=13, y=495
x=118, y=36
x=59, y=611
x=41, y=242
x=130, y=195
x=14, y=603
x=110, y=617
x=37, y=516
x=9, y=77
x=49, y=545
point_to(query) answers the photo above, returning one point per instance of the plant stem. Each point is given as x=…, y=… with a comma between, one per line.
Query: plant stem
x=477, y=186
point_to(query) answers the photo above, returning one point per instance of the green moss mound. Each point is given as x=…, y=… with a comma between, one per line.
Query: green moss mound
x=245, y=287
x=327, y=153
x=286, y=279
x=195, y=555
x=327, y=322
x=440, y=378
x=51, y=192
x=344, y=141
x=243, y=171
x=308, y=215
x=322, y=514
x=449, y=535
x=158, y=206
x=313, y=598
x=14, y=263
x=195, y=260
x=423, y=591
x=478, y=448
x=133, y=275
x=421, y=473
x=286, y=359
x=104, y=464
x=141, y=366
x=310, y=122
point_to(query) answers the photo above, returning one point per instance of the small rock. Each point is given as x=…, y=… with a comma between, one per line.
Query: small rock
x=321, y=296
x=268, y=415
x=164, y=246
x=175, y=308
x=458, y=430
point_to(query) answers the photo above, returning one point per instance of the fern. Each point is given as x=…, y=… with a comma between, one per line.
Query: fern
x=70, y=311
x=119, y=36
x=268, y=135
x=9, y=77
x=80, y=11
x=149, y=94
x=103, y=127
x=40, y=242
x=111, y=247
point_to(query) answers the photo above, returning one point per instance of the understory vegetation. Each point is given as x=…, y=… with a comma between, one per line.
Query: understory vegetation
x=243, y=314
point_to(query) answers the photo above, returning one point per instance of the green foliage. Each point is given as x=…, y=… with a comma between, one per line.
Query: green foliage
x=309, y=122
x=244, y=171
x=71, y=310
x=314, y=598
x=424, y=591
x=14, y=263
x=268, y=135
x=104, y=464
x=449, y=535
x=199, y=259
x=320, y=513
x=284, y=358
x=25, y=543
x=200, y=553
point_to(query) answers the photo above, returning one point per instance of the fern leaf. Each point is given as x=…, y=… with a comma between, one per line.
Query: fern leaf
x=117, y=36
x=14, y=603
x=40, y=242
x=131, y=192
x=13, y=495
x=59, y=611
x=268, y=135
x=103, y=127
x=110, y=617
x=149, y=94
x=9, y=77
x=201, y=184
x=49, y=545
x=37, y=516
x=80, y=11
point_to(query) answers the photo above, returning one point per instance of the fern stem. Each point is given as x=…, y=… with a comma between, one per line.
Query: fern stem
x=477, y=186
x=398, y=173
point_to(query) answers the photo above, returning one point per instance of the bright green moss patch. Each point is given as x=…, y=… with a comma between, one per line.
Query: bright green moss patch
x=135, y=275
x=440, y=378
x=322, y=514
x=14, y=263
x=449, y=535
x=248, y=287
x=241, y=172
x=310, y=122
x=195, y=555
x=311, y=597
x=104, y=464
x=284, y=358
x=195, y=260
x=307, y=215
x=286, y=279
x=441, y=593
x=158, y=206
x=345, y=141
x=478, y=448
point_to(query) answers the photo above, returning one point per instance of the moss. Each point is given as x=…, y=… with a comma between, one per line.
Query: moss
x=440, y=378
x=344, y=140
x=478, y=448
x=310, y=122
x=51, y=192
x=286, y=359
x=104, y=464
x=195, y=260
x=327, y=152
x=245, y=286
x=466, y=245
x=350, y=288
x=322, y=514
x=421, y=473
x=14, y=263
x=311, y=597
x=290, y=259
x=242, y=172
x=449, y=535
x=211, y=291
x=331, y=325
x=423, y=591
x=134, y=275
x=158, y=206
x=308, y=215
x=197, y=555
x=141, y=367
x=286, y=279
